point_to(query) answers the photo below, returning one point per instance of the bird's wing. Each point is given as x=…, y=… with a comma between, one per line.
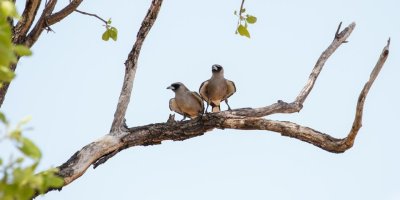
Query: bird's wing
x=174, y=107
x=203, y=90
x=200, y=100
x=231, y=89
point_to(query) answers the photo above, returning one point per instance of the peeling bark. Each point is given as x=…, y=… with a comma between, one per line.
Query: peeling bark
x=98, y=152
x=121, y=137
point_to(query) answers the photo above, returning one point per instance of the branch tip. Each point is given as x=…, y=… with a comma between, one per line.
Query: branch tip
x=338, y=30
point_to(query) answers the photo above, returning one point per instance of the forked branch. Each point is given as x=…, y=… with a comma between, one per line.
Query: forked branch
x=119, y=138
x=47, y=18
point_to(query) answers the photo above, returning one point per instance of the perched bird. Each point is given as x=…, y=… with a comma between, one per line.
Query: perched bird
x=186, y=103
x=217, y=89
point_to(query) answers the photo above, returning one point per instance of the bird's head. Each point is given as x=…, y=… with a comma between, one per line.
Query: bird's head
x=217, y=68
x=175, y=86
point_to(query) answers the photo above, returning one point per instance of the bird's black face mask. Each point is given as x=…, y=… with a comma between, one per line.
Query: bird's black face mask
x=216, y=68
x=174, y=86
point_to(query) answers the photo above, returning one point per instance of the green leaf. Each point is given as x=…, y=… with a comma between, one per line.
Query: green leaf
x=251, y=19
x=109, y=21
x=113, y=33
x=3, y=118
x=235, y=12
x=7, y=56
x=1, y=161
x=243, y=31
x=30, y=149
x=22, y=50
x=7, y=8
x=243, y=10
x=106, y=35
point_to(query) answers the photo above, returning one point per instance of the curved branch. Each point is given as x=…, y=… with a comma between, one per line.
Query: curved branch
x=99, y=151
x=47, y=19
x=91, y=14
x=131, y=66
x=361, y=99
x=67, y=10
x=297, y=104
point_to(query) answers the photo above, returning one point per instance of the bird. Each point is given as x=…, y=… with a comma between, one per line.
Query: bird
x=217, y=89
x=186, y=102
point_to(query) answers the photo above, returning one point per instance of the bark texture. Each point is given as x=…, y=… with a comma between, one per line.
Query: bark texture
x=131, y=66
x=118, y=139
x=121, y=137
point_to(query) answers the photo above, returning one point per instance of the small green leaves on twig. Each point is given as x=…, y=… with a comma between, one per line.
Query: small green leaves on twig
x=9, y=52
x=244, y=21
x=111, y=32
x=18, y=179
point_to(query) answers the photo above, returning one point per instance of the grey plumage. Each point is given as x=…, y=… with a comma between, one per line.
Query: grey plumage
x=186, y=103
x=217, y=89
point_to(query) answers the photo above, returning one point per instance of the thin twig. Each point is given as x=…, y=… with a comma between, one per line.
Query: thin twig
x=240, y=12
x=90, y=14
x=337, y=31
x=241, y=8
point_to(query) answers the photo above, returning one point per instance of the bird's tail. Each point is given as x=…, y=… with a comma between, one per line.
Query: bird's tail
x=216, y=108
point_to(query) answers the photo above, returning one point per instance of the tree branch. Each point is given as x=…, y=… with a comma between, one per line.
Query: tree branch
x=90, y=14
x=67, y=10
x=25, y=23
x=361, y=99
x=41, y=24
x=47, y=19
x=131, y=66
x=101, y=150
x=44, y=22
x=297, y=104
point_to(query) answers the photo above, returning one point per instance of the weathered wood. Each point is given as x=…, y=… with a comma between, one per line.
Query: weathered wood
x=131, y=66
x=100, y=151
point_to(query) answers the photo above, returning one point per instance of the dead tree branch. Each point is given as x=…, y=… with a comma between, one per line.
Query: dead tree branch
x=297, y=104
x=131, y=66
x=119, y=139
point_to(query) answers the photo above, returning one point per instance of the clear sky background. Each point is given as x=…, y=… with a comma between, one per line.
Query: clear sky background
x=71, y=86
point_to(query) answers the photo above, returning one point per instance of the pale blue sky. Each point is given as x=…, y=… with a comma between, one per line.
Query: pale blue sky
x=71, y=85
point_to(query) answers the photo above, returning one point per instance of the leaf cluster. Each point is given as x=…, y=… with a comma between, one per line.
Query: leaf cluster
x=9, y=52
x=243, y=22
x=18, y=180
x=111, y=32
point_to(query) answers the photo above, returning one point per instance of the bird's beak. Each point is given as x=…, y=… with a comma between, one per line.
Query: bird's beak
x=170, y=87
